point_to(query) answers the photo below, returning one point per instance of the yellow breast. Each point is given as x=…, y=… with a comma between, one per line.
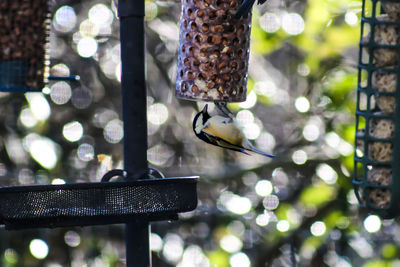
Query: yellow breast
x=225, y=129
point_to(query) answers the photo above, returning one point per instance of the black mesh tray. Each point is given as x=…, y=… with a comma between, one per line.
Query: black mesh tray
x=80, y=204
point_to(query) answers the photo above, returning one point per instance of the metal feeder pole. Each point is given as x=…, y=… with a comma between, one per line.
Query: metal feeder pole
x=131, y=15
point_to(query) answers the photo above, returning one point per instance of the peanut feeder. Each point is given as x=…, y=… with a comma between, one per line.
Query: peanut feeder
x=213, y=51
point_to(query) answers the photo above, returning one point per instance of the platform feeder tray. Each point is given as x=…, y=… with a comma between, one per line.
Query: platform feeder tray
x=81, y=204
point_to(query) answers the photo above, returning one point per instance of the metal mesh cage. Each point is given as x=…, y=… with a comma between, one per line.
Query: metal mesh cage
x=95, y=203
x=377, y=126
x=24, y=27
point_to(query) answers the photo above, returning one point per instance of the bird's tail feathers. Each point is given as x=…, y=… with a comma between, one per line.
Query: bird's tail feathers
x=261, y=152
x=244, y=152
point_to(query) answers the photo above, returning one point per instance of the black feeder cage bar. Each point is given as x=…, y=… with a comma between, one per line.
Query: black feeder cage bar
x=137, y=200
x=377, y=144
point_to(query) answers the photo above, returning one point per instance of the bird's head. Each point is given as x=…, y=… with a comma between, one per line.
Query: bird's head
x=200, y=120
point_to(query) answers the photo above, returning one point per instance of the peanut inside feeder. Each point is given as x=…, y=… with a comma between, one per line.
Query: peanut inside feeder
x=385, y=82
x=384, y=34
x=213, y=52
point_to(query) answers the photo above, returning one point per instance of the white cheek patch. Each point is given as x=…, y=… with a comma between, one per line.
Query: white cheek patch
x=199, y=124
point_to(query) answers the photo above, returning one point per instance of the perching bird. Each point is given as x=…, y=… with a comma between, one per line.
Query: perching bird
x=245, y=8
x=223, y=132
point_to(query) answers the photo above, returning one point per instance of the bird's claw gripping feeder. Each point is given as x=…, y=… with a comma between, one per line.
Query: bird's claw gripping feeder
x=213, y=51
x=377, y=150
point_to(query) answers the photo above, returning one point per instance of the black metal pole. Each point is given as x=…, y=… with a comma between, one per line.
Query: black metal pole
x=131, y=14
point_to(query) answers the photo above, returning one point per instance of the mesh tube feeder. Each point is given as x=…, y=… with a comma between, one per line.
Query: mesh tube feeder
x=24, y=27
x=213, y=51
x=377, y=146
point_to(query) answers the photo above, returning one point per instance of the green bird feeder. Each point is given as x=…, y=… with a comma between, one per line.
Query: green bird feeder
x=377, y=149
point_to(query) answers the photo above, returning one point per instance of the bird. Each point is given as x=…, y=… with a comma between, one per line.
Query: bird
x=224, y=132
x=245, y=8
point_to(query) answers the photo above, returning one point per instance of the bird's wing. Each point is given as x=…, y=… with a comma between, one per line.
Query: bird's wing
x=256, y=150
x=222, y=143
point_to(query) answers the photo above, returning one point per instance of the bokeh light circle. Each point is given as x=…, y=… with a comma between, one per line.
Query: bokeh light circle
x=39, y=249
x=73, y=131
x=60, y=93
x=87, y=47
x=113, y=131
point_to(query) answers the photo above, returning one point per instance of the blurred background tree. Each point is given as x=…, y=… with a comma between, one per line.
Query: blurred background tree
x=299, y=208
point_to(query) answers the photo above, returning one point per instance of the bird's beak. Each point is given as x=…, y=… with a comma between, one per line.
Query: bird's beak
x=205, y=109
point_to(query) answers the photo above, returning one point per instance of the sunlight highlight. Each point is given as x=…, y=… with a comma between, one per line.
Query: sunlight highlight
x=239, y=259
x=42, y=149
x=64, y=19
x=100, y=14
x=39, y=106
x=252, y=131
x=327, y=173
x=156, y=242
x=27, y=119
x=351, y=18
x=299, y=157
x=39, y=249
x=231, y=243
x=73, y=131
x=87, y=47
x=250, y=102
x=318, y=228
x=235, y=203
x=271, y=202
x=292, y=23
x=311, y=132
x=283, y=226
x=85, y=152
x=157, y=114
x=72, y=239
x=270, y=22
x=60, y=92
x=372, y=223
x=264, y=188
x=58, y=181
x=113, y=131
x=302, y=104
x=173, y=248
x=262, y=220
